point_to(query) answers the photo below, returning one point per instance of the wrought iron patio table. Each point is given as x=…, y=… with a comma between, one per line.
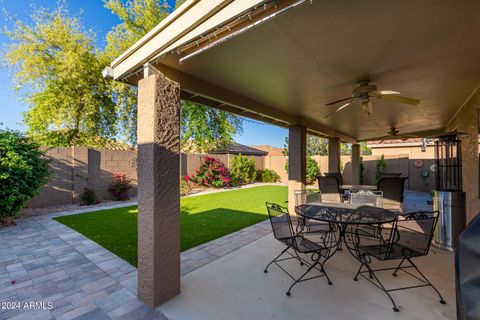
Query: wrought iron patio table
x=399, y=237
x=343, y=215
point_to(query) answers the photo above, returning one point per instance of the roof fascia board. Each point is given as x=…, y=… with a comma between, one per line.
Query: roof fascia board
x=157, y=29
x=155, y=42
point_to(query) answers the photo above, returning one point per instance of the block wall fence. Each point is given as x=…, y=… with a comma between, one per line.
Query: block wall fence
x=77, y=168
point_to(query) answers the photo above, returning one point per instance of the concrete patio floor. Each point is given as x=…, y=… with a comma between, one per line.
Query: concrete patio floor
x=43, y=260
x=235, y=287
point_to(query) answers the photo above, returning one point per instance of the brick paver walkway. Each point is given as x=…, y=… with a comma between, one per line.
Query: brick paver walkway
x=43, y=261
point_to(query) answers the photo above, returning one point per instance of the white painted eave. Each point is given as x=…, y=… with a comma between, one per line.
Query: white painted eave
x=189, y=21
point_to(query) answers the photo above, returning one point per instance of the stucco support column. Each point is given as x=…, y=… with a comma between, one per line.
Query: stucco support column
x=355, y=163
x=158, y=189
x=333, y=155
x=297, y=163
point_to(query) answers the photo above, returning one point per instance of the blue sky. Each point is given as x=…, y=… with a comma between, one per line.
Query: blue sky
x=98, y=18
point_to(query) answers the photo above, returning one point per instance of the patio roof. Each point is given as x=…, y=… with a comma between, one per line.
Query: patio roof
x=283, y=62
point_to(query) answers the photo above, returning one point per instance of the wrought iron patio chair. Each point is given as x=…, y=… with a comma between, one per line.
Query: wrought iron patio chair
x=410, y=237
x=296, y=244
x=329, y=187
x=392, y=189
x=366, y=197
x=309, y=196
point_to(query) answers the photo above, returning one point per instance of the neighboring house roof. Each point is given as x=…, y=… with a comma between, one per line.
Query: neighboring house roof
x=237, y=148
x=271, y=150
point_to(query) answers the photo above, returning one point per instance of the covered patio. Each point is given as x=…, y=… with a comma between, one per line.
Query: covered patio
x=234, y=287
x=281, y=62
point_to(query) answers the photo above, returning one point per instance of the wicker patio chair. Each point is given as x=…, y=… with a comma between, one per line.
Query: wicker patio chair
x=296, y=244
x=392, y=189
x=338, y=175
x=329, y=187
x=410, y=237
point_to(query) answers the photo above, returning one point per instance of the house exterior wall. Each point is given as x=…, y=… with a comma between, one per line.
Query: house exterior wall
x=413, y=152
x=466, y=120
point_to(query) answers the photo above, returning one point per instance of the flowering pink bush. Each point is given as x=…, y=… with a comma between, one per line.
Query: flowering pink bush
x=119, y=188
x=211, y=173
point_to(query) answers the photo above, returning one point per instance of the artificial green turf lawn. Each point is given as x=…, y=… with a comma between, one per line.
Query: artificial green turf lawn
x=202, y=219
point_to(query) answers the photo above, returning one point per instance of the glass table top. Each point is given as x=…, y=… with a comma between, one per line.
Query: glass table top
x=346, y=213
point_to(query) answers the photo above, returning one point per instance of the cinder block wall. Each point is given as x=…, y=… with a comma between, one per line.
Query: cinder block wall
x=77, y=168
x=395, y=163
x=191, y=161
x=59, y=190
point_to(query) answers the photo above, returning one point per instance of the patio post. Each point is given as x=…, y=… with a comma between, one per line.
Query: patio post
x=355, y=163
x=158, y=188
x=333, y=155
x=297, y=163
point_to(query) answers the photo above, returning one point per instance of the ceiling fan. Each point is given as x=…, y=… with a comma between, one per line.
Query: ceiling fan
x=394, y=133
x=365, y=92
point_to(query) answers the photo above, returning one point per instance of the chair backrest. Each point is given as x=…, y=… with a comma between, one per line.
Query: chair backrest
x=307, y=196
x=335, y=174
x=328, y=184
x=390, y=175
x=392, y=189
x=415, y=232
x=374, y=235
x=281, y=222
x=366, y=197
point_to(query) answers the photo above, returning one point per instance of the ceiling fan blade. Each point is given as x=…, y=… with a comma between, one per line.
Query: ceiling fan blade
x=377, y=94
x=339, y=109
x=349, y=99
x=397, y=98
x=387, y=92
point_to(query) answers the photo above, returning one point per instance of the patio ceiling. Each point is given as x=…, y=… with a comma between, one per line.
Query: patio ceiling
x=286, y=69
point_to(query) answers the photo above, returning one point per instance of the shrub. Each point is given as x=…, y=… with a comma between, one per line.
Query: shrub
x=88, y=197
x=211, y=173
x=312, y=170
x=268, y=175
x=23, y=170
x=184, y=187
x=242, y=170
x=120, y=186
x=381, y=167
x=362, y=170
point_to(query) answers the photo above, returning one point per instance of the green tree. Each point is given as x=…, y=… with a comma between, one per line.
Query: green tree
x=56, y=62
x=204, y=127
x=57, y=65
x=316, y=146
x=365, y=150
x=178, y=3
x=312, y=169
